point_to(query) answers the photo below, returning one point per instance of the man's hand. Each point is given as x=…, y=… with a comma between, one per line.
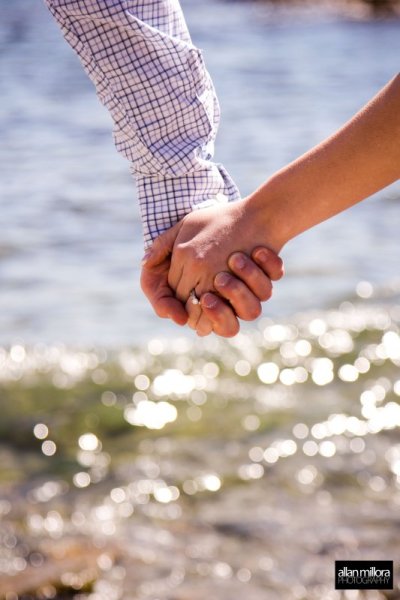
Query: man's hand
x=154, y=283
x=238, y=296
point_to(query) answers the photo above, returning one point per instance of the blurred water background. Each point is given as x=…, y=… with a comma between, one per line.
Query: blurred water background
x=71, y=237
x=141, y=464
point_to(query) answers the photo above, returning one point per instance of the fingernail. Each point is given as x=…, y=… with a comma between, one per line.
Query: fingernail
x=261, y=255
x=222, y=279
x=238, y=261
x=146, y=257
x=209, y=301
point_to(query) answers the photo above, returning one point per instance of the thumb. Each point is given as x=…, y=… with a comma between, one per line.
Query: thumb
x=161, y=247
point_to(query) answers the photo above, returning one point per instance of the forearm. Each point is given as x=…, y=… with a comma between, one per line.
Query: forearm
x=360, y=159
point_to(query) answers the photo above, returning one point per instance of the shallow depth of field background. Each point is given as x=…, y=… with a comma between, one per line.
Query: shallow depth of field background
x=136, y=461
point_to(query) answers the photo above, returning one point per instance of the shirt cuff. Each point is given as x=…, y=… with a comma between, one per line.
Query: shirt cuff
x=166, y=200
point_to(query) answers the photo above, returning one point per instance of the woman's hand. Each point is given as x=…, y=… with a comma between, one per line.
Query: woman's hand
x=204, y=246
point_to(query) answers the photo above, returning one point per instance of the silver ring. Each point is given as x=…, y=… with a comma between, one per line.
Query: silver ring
x=193, y=298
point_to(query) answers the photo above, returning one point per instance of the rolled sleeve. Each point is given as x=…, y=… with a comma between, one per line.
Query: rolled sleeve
x=154, y=83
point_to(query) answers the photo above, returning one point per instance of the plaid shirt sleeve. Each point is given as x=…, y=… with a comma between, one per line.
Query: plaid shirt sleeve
x=153, y=81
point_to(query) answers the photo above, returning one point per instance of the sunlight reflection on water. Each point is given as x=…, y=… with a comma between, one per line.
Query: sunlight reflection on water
x=291, y=412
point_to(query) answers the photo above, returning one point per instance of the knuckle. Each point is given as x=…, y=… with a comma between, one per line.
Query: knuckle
x=188, y=256
x=233, y=286
x=239, y=261
x=180, y=252
x=223, y=282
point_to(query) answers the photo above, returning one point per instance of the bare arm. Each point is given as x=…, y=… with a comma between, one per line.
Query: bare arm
x=360, y=159
x=357, y=161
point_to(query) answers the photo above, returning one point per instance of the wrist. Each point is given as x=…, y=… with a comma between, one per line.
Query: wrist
x=267, y=209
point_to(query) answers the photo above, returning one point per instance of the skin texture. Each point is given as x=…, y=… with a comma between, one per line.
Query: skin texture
x=243, y=293
x=237, y=296
x=357, y=161
x=360, y=159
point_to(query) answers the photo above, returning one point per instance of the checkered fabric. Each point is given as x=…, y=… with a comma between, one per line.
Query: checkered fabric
x=153, y=81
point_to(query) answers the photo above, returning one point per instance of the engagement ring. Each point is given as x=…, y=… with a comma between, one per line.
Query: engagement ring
x=193, y=298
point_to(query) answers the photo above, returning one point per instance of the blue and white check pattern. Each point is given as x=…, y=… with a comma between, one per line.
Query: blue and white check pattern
x=153, y=81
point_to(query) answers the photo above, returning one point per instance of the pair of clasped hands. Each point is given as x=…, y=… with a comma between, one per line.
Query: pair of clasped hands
x=210, y=269
x=219, y=254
